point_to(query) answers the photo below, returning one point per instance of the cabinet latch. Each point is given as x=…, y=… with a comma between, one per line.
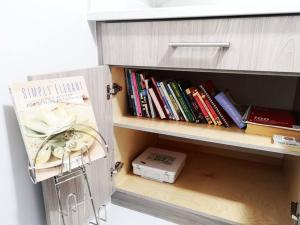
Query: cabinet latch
x=295, y=212
x=112, y=90
x=117, y=167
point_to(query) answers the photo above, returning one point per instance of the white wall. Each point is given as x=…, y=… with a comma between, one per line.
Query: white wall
x=36, y=37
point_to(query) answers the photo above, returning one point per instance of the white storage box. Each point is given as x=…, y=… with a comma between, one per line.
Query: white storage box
x=159, y=164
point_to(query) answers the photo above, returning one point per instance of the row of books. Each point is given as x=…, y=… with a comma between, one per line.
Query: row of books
x=179, y=100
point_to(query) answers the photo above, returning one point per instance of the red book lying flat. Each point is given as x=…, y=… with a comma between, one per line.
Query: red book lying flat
x=272, y=117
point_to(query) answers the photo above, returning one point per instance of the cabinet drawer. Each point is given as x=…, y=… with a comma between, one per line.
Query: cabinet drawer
x=270, y=44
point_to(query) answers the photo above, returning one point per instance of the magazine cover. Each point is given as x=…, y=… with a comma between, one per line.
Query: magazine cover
x=58, y=125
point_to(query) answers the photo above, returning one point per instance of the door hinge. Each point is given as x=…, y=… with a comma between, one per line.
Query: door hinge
x=295, y=212
x=117, y=167
x=112, y=90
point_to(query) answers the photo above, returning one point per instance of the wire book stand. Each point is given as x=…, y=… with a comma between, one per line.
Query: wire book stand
x=72, y=168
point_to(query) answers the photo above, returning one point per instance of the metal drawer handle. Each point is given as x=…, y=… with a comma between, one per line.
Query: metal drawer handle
x=199, y=44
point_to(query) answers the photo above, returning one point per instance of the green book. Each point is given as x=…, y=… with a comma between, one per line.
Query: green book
x=173, y=101
x=181, y=101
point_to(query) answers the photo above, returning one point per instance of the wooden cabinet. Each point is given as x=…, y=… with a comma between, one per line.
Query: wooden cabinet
x=264, y=44
x=230, y=177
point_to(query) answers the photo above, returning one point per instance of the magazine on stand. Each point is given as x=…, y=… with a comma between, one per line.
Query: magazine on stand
x=57, y=123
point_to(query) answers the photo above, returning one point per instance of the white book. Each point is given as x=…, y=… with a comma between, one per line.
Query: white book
x=172, y=92
x=170, y=115
x=156, y=103
x=169, y=100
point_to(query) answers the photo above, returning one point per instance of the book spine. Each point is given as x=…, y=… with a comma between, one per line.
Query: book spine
x=208, y=107
x=152, y=110
x=201, y=105
x=136, y=94
x=188, y=103
x=199, y=115
x=230, y=109
x=160, y=99
x=144, y=103
x=181, y=101
x=220, y=118
x=177, y=102
x=162, y=85
x=176, y=107
x=166, y=104
x=139, y=86
x=157, y=104
x=130, y=100
x=133, y=92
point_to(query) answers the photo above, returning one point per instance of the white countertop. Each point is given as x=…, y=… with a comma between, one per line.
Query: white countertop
x=215, y=9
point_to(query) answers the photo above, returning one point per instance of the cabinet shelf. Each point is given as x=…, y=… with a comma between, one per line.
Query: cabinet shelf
x=235, y=191
x=232, y=136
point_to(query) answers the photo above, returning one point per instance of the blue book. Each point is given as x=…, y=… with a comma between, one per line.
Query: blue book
x=230, y=109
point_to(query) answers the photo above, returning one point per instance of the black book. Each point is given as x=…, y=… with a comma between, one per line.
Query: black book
x=194, y=106
x=130, y=98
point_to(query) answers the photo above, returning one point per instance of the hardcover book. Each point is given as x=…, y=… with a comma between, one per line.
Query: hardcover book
x=177, y=102
x=136, y=100
x=212, y=113
x=201, y=105
x=172, y=98
x=268, y=122
x=157, y=104
x=149, y=100
x=144, y=97
x=175, y=114
x=217, y=108
x=57, y=123
x=182, y=85
x=159, y=97
x=166, y=103
x=196, y=108
x=273, y=117
x=136, y=94
x=184, y=107
x=230, y=109
x=130, y=98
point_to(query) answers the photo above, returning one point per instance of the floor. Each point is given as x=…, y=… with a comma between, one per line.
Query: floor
x=117, y=215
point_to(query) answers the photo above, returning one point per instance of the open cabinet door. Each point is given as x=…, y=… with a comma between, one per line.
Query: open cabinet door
x=99, y=175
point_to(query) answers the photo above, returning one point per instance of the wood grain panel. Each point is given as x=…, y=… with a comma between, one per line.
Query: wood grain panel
x=268, y=44
x=227, y=189
x=292, y=171
x=232, y=136
x=98, y=173
x=163, y=210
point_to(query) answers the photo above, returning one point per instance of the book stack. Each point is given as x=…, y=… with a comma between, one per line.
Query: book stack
x=179, y=100
x=269, y=122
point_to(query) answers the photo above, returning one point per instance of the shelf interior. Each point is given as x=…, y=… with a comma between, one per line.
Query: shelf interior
x=232, y=136
x=242, y=189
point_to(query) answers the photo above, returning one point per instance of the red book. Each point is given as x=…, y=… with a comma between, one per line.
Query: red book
x=159, y=96
x=272, y=117
x=201, y=105
x=215, y=116
x=209, y=91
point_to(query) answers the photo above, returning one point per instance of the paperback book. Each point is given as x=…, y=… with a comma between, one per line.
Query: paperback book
x=57, y=123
